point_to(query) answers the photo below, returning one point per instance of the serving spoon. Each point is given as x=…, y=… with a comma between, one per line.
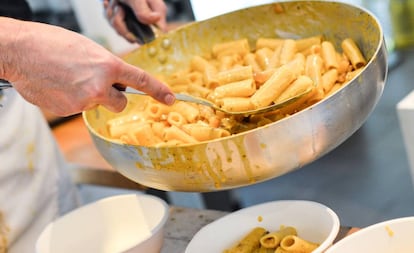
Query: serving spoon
x=201, y=101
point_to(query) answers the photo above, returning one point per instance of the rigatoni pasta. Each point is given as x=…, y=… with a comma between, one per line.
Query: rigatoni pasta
x=250, y=243
x=273, y=87
x=284, y=240
x=329, y=55
x=240, y=77
x=272, y=240
x=240, y=47
x=353, y=53
x=293, y=243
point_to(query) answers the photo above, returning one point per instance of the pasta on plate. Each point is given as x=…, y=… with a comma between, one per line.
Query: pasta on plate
x=239, y=77
x=284, y=240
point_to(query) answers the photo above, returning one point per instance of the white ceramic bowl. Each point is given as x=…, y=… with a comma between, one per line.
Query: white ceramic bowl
x=125, y=223
x=393, y=236
x=313, y=221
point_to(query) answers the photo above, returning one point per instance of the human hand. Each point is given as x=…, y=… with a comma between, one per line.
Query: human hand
x=66, y=73
x=147, y=11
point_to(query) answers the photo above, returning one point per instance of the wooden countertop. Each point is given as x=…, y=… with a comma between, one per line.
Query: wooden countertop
x=76, y=144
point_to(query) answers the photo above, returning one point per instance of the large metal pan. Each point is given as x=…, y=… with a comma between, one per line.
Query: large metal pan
x=265, y=152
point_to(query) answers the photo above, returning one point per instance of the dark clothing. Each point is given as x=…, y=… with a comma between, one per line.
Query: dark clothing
x=19, y=9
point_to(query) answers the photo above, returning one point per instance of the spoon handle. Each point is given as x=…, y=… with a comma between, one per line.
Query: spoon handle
x=4, y=84
x=178, y=96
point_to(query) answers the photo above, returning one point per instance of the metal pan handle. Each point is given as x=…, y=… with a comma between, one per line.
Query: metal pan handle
x=142, y=32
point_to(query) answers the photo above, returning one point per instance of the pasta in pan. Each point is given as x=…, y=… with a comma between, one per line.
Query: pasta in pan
x=241, y=77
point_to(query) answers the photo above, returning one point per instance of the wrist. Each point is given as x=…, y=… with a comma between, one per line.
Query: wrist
x=9, y=46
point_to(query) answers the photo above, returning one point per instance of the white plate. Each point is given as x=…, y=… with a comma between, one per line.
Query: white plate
x=392, y=236
x=313, y=221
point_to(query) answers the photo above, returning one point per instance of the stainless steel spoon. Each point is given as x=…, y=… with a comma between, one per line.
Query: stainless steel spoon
x=197, y=100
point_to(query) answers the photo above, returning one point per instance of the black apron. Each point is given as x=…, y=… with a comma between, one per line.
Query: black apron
x=19, y=9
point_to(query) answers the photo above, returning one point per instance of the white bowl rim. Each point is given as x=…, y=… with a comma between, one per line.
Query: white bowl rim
x=368, y=229
x=153, y=230
x=160, y=224
x=325, y=244
x=147, y=196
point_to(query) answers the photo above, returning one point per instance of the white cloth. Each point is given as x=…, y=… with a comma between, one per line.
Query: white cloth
x=34, y=185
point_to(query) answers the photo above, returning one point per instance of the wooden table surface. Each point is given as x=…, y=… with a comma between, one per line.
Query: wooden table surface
x=76, y=144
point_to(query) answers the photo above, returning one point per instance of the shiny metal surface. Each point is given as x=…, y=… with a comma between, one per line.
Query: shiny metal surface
x=265, y=152
x=205, y=102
